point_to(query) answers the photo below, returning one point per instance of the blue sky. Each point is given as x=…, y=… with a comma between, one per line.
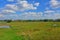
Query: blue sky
x=29, y=9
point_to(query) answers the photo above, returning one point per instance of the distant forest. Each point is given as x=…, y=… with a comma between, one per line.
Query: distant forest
x=44, y=20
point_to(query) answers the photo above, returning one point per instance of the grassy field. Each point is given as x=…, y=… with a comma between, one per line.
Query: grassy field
x=31, y=31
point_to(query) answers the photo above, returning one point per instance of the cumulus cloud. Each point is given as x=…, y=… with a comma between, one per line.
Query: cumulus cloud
x=25, y=5
x=10, y=0
x=8, y=11
x=57, y=16
x=31, y=15
x=1, y=15
x=55, y=3
x=11, y=6
x=49, y=11
x=51, y=14
x=34, y=13
x=21, y=6
x=37, y=4
x=25, y=16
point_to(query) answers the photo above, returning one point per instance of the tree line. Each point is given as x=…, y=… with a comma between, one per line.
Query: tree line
x=44, y=20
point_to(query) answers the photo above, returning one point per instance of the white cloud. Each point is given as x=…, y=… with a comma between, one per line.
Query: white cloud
x=57, y=15
x=11, y=6
x=26, y=6
x=25, y=15
x=51, y=14
x=10, y=0
x=55, y=3
x=8, y=11
x=21, y=6
x=1, y=15
x=49, y=11
x=31, y=15
x=37, y=4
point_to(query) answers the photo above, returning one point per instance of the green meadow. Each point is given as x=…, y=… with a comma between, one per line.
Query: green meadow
x=30, y=31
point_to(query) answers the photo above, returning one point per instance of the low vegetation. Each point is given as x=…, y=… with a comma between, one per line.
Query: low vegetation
x=31, y=31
